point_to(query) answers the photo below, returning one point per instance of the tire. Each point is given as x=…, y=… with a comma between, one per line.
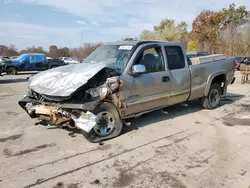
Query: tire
x=12, y=71
x=53, y=66
x=212, y=100
x=95, y=135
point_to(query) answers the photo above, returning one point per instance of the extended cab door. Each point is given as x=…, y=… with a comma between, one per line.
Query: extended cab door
x=148, y=90
x=40, y=62
x=179, y=74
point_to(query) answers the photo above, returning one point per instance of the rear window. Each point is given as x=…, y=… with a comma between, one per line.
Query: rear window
x=175, y=57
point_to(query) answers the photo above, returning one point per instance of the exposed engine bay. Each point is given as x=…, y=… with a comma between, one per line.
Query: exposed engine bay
x=76, y=110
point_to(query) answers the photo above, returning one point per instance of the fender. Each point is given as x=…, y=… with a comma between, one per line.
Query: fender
x=210, y=80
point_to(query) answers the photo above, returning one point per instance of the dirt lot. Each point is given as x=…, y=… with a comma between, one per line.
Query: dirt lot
x=188, y=147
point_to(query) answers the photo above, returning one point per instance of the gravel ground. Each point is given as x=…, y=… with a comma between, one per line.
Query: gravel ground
x=186, y=147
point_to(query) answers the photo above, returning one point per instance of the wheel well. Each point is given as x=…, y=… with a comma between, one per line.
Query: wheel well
x=221, y=80
x=11, y=67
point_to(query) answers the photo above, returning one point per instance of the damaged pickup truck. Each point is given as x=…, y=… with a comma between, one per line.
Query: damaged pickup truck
x=125, y=80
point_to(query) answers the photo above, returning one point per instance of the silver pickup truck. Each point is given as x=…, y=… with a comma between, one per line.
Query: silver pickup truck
x=124, y=80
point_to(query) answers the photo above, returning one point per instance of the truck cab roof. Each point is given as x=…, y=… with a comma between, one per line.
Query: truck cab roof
x=140, y=42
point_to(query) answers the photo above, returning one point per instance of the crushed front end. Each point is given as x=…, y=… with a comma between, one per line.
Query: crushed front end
x=62, y=114
x=76, y=110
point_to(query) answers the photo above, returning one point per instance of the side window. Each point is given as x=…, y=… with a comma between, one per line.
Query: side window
x=152, y=59
x=38, y=58
x=32, y=58
x=43, y=58
x=175, y=57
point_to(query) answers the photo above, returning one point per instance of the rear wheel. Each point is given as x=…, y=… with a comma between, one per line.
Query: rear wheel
x=108, y=123
x=53, y=66
x=212, y=100
x=12, y=71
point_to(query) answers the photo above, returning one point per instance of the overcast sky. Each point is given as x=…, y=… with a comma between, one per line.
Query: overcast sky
x=62, y=22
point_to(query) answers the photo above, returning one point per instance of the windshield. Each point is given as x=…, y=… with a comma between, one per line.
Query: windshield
x=21, y=57
x=239, y=58
x=3, y=59
x=115, y=56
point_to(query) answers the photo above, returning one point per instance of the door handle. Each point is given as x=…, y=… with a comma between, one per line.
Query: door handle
x=165, y=79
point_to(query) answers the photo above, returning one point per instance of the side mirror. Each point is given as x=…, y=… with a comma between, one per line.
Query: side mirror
x=138, y=69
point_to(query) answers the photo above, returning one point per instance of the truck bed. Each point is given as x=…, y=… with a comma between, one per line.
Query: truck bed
x=202, y=73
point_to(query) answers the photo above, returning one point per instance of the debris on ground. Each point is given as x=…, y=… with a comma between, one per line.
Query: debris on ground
x=95, y=182
x=72, y=134
x=101, y=143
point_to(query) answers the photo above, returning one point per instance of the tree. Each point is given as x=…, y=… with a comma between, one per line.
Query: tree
x=167, y=30
x=129, y=39
x=63, y=52
x=8, y=51
x=192, y=46
x=12, y=50
x=53, y=51
x=40, y=50
x=233, y=19
x=149, y=35
x=207, y=26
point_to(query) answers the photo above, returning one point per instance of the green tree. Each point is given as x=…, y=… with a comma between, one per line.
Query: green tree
x=167, y=30
x=149, y=35
x=129, y=39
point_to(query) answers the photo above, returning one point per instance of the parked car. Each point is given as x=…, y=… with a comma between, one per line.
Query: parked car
x=53, y=62
x=123, y=80
x=241, y=60
x=81, y=60
x=31, y=62
x=196, y=54
x=3, y=64
x=13, y=57
x=70, y=60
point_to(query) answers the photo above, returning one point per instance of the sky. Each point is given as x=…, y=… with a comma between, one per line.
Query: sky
x=66, y=23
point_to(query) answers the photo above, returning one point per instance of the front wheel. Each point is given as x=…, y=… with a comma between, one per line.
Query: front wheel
x=108, y=123
x=12, y=71
x=212, y=100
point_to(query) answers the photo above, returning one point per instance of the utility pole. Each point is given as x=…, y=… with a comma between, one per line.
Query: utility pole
x=81, y=41
x=80, y=46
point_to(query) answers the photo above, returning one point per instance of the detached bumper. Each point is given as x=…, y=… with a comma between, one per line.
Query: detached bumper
x=27, y=100
x=61, y=114
x=87, y=106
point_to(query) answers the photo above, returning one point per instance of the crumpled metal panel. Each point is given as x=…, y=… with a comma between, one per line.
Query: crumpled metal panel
x=109, y=86
x=63, y=81
x=86, y=121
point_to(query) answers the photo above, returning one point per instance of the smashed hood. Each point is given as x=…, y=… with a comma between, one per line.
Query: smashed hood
x=63, y=81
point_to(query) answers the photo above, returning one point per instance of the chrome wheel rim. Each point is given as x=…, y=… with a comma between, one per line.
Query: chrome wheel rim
x=105, y=123
x=214, y=97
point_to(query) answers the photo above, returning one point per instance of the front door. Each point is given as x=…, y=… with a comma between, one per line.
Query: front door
x=24, y=63
x=149, y=90
x=32, y=62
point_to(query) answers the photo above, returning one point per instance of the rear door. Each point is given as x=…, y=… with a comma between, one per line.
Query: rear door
x=179, y=74
x=149, y=90
x=41, y=62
